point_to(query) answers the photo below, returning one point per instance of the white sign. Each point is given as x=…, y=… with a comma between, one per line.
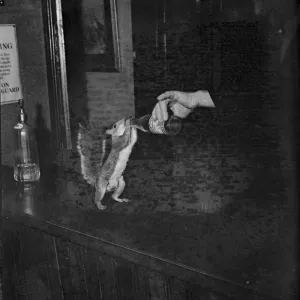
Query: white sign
x=11, y=90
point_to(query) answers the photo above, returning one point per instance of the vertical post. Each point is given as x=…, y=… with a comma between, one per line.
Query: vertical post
x=198, y=6
x=57, y=79
x=165, y=38
x=156, y=29
x=161, y=38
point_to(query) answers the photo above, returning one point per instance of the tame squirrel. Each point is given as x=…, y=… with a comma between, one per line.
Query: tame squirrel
x=103, y=166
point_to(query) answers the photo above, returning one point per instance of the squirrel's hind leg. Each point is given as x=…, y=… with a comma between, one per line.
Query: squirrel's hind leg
x=119, y=191
x=99, y=194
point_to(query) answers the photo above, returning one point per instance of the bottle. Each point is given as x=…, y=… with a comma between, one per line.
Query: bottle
x=26, y=168
x=146, y=123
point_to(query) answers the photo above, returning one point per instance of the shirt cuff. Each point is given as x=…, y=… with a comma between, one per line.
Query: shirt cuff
x=204, y=99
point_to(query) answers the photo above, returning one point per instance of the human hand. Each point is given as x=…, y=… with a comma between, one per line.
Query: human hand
x=181, y=103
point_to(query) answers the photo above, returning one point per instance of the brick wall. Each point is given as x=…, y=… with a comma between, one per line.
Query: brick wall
x=110, y=96
x=236, y=151
x=104, y=97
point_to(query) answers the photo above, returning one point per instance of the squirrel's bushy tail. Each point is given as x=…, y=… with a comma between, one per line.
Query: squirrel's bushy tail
x=90, y=148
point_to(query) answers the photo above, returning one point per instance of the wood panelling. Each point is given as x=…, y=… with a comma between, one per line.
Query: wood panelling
x=158, y=285
x=141, y=283
x=41, y=266
x=30, y=268
x=93, y=274
x=10, y=290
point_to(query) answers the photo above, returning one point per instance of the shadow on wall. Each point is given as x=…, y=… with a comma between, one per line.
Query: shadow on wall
x=43, y=138
x=77, y=85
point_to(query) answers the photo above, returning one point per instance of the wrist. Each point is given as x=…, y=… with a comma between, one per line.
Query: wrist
x=202, y=98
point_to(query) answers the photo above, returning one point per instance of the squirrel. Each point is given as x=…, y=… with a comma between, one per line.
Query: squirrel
x=102, y=167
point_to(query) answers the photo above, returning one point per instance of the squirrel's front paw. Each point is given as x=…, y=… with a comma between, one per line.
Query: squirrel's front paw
x=101, y=206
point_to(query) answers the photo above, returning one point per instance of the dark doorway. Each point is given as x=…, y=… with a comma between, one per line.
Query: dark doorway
x=73, y=33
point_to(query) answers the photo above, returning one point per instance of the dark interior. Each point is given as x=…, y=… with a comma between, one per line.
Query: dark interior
x=213, y=212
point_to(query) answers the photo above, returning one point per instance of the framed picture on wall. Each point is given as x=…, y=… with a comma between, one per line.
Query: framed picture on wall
x=101, y=39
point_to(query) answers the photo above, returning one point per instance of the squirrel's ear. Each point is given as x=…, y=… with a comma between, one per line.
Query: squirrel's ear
x=81, y=127
x=84, y=123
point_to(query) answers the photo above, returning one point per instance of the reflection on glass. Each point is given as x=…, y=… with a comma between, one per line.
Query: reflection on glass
x=26, y=193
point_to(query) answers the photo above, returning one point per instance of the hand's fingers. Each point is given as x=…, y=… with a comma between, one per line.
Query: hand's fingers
x=172, y=107
x=157, y=113
x=181, y=97
x=180, y=110
x=167, y=95
x=160, y=111
x=154, y=113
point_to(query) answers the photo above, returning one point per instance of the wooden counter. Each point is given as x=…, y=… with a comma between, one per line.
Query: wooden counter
x=57, y=245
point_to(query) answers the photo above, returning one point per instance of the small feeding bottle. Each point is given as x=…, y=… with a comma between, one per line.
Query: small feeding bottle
x=147, y=124
x=26, y=168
